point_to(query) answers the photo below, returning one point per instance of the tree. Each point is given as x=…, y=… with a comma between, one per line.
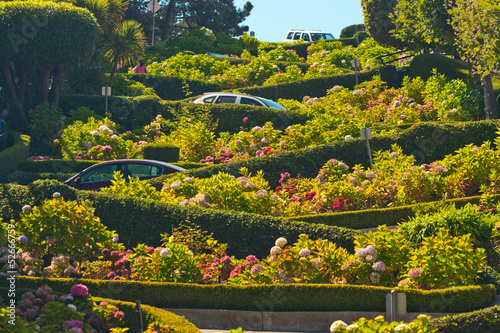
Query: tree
x=424, y=24
x=377, y=14
x=123, y=44
x=477, y=28
x=38, y=40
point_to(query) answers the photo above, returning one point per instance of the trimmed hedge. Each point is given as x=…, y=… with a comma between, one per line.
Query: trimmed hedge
x=280, y=297
x=171, y=87
x=301, y=49
x=55, y=166
x=135, y=112
x=423, y=64
x=484, y=321
x=372, y=218
x=143, y=221
x=149, y=314
x=161, y=152
x=18, y=150
x=318, y=87
x=428, y=142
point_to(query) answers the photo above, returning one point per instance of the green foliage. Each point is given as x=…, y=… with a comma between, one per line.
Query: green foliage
x=47, y=226
x=351, y=30
x=445, y=261
x=485, y=320
x=377, y=20
x=133, y=188
x=54, y=41
x=45, y=121
x=466, y=220
x=299, y=297
x=124, y=86
x=161, y=152
x=18, y=152
x=423, y=65
x=418, y=325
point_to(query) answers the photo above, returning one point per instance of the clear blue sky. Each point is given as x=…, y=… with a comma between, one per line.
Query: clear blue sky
x=271, y=19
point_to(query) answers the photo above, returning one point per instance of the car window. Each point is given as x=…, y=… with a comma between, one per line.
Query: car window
x=305, y=37
x=272, y=104
x=297, y=36
x=99, y=174
x=290, y=35
x=225, y=99
x=209, y=99
x=249, y=101
x=144, y=170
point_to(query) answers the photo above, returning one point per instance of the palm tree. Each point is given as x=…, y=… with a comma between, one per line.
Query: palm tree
x=123, y=44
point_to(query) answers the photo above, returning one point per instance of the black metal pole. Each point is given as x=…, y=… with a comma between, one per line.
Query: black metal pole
x=139, y=316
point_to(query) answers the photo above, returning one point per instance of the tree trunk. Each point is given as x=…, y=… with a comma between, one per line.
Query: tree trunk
x=113, y=70
x=55, y=91
x=43, y=95
x=17, y=117
x=169, y=20
x=490, y=105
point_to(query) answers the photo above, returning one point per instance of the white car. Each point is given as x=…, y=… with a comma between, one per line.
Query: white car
x=307, y=35
x=227, y=97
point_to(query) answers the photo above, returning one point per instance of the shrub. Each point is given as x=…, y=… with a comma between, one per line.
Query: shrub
x=485, y=320
x=19, y=151
x=466, y=220
x=46, y=229
x=161, y=152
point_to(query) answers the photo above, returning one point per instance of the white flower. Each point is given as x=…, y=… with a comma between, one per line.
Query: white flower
x=275, y=67
x=250, y=185
x=250, y=70
x=361, y=252
x=56, y=195
x=274, y=197
x=338, y=326
x=164, y=64
x=103, y=128
x=155, y=63
x=275, y=250
x=280, y=57
x=368, y=67
x=343, y=61
x=94, y=133
x=281, y=242
x=348, y=137
x=370, y=249
x=188, y=180
x=114, y=137
x=26, y=208
x=165, y=252
x=264, y=140
x=322, y=70
x=262, y=69
x=72, y=307
x=401, y=328
x=304, y=252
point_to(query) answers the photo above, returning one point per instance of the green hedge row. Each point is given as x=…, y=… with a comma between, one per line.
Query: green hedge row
x=281, y=64
x=135, y=112
x=428, y=142
x=18, y=150
x=295, y=297
x=318, y=87
x=149, y=314
x=143, y=221
x=372, y=218
x=173, y=88
x=484, y=321
x=161, y=152
x=301, y=49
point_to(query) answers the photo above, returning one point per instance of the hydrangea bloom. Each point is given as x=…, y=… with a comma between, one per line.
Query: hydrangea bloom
x=353, y=180
x=304, y=252
x=370, y=249
x=115, y=239
x=281, y=242
x=375, y=277
x=252, y=258
x=26, y=208
x=264, y=140
x=79, y=290
x=402, y=328
x=249, y=185
x=226, y=260
x=188, y=180
x=414, y=272
x=379, y=266
x=165, y=252
x=316, y=263
x=256, y=269
x=347, y=137
x=175, y=185
x=361, y=252
x=393, y=154
x=371, y=257
x=22, y=239
x=275, y=250
x=338, y=326
x=72, y=307
x=352, y=327
x=56, y=195
x=94, y=133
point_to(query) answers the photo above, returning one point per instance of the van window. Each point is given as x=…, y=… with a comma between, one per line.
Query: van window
x=305, y=37
x=297, y=36
x=290, y=35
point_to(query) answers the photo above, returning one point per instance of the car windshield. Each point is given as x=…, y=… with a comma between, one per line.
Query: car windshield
x=272, y=104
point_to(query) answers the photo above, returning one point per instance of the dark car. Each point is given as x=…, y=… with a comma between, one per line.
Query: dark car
x=101, y=174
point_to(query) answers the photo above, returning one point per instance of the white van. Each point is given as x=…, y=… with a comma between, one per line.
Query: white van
x=306, y=35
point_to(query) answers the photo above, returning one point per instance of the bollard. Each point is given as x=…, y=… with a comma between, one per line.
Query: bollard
x=395, y=308
x=139, y=316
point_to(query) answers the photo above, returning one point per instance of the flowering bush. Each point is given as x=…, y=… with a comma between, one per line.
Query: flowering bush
x=95, y=140
x=75, y=312
x=46, y=229
x=418, y=325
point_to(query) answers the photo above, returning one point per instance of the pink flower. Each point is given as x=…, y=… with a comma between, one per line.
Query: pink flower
x=245, y=119
x=227, y=260
x=379, y=266
x=393, y=154
x=108, y=148
x=237, y=142
x=79, y=290
x=304, y=252
x=397, y=103
x=414, y=272
x=353, y=180
x=256, y=269
x=252, y=258
x=119, y=314
x=103, y=304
